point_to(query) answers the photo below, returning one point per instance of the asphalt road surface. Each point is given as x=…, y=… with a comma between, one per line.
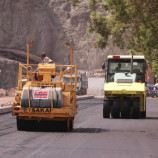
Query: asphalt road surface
x=92, y=137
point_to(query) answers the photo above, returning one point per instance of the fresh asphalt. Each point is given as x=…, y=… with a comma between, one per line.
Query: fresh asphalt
x=92, y=137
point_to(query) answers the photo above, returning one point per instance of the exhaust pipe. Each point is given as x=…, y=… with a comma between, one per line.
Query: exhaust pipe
x=131, y=71
x=28, y=52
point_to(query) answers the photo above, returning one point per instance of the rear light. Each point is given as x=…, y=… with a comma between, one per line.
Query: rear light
x=116, y=57
x=139, y=81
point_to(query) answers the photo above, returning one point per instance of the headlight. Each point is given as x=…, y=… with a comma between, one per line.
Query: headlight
x=108, y=92
x=139, y=92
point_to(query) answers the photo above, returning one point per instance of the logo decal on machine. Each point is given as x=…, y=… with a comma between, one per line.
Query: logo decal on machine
x=41, y=110
x=40, y=94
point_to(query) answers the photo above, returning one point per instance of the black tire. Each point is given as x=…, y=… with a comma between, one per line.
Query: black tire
x=22, y=124
x=19, y=124
x=106, y=109
x=68, y=127
x=31, y=125
x=116, y=109
x=126, y=109
x=62, y=125
x=25, y=125
x=136, y=109
x=71, y=124
x=65, y=127
x=143, y=114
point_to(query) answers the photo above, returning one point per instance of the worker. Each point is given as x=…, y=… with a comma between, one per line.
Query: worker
x=45, y=59
x=118, y=67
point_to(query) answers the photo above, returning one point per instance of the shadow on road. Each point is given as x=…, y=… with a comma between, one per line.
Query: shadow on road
x=43, y=128
x=46, y=126
x=89, y=130
x=151, y=118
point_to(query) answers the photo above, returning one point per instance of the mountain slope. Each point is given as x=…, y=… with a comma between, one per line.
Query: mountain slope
x=51, y=23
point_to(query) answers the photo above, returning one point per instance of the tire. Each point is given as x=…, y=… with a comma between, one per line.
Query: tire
x=126, y=109
x=68, y=127
x=71, y=124
x=25, y=125
x=62, y=125
x=22, y=125
x=19, y=124
x=116, y=109
x=143, y=114
x=65, y=127
x=106, y=109
x=136, y=109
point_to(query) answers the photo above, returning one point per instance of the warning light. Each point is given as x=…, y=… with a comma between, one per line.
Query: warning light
x=140, y=81
x=116, y=57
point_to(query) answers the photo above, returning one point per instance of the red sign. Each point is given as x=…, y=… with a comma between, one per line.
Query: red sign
x=40, y=94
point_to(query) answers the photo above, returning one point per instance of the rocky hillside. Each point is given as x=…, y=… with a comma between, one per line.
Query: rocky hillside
x=8, y=73
x=51, y=23
x=9, y=66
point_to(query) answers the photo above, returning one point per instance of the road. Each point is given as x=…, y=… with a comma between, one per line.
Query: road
x=92, y=137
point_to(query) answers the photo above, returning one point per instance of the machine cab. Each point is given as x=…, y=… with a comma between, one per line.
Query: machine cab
x=126, y=68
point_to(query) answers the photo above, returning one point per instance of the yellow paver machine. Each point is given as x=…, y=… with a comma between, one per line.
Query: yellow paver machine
x=124, y=87
x=43, y=96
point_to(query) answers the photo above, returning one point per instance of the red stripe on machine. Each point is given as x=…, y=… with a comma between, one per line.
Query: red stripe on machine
x=40, y=94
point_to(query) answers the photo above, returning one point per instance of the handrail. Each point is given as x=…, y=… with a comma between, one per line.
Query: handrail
x=23, y=71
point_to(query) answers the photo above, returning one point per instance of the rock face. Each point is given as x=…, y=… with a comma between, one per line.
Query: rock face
x=2, y=92
x=51, y=23
x=8, y=73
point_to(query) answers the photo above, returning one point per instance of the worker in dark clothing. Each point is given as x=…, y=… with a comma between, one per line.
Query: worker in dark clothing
x=118, y=67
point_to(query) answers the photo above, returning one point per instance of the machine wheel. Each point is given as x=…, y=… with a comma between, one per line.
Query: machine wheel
x=66, y=125
x=126, y=109
x=106, y=109
x=116, y=109
x=19, y=124
x=136, y=109
x=143, y=114
x=22, y=124
x=71, y=123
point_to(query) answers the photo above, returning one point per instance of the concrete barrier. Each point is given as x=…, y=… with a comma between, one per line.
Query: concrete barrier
x=95, y=86
x=5, y=109
x=82, y=97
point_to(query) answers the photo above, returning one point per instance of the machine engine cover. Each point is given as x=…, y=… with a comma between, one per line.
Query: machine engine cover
x=125, y=77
